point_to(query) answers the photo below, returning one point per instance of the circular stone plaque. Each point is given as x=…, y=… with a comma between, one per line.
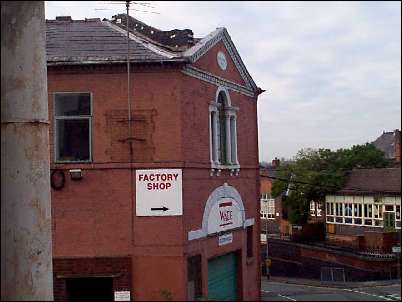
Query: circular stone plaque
x=221, y=58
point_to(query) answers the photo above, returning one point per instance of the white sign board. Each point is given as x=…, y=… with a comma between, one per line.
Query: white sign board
x=225, y=239
x=396, y=249
x=159, y=192
x=122, y=296
x=225, y=215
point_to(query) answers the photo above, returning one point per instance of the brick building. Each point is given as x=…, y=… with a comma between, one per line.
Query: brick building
x=271, y=214
x=366, y=213
x=156, y=187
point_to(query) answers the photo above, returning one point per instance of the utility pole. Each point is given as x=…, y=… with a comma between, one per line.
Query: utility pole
x=26, y=241
x=267, y=263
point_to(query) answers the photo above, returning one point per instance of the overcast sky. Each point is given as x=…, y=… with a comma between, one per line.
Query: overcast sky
x=332, y=70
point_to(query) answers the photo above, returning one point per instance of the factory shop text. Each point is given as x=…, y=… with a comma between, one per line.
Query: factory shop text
x=158, y=181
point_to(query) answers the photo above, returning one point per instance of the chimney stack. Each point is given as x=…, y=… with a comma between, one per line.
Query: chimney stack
x=276, y=162
x=64, y=18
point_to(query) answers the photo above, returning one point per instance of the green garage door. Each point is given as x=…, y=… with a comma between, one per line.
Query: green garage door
x=222, y=280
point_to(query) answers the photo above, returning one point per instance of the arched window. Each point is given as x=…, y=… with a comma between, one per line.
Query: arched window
x=222, y=152
x=223, y=134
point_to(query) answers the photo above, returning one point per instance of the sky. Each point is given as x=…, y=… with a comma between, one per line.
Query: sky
x=331, y=70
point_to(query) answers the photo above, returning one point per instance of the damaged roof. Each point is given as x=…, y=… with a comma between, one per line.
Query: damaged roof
x=95, y=41
x=92, y=41
x=373, y=181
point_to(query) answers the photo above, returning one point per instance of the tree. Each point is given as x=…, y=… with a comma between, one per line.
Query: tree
x=316, y=173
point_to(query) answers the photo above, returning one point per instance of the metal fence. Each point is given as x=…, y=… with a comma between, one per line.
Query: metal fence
x=332, y=274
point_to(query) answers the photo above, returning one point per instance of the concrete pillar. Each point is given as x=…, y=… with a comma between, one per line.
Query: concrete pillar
x=26, y=242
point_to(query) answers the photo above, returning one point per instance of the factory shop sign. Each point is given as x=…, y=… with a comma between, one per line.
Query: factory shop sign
x=159, y=192
x=224, y=215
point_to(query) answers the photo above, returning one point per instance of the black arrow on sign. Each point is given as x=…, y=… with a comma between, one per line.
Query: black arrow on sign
x=160, y=209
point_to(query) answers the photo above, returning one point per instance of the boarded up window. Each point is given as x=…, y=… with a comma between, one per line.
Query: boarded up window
x=142, y=128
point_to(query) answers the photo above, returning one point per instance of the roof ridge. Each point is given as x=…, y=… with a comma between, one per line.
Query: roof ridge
x=144, y=42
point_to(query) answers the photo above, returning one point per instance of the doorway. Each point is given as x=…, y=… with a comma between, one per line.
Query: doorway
x=90, y=289
x=222, y=278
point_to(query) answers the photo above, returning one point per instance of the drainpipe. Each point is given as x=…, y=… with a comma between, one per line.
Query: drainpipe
x=26, y=242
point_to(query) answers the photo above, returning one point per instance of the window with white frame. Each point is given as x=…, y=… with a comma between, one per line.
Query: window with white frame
x=362, y=210
x=223, y=132
x=267, y=207
x=315, y=208
x=72, y=123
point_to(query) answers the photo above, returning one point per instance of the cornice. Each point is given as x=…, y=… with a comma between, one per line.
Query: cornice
x=216, y=80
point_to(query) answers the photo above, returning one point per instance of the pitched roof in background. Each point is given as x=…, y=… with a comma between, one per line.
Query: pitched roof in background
x=372, y=181
x=386, y=143
x=268, y=172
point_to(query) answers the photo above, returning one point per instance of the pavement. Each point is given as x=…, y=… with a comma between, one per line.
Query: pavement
x=318, y=283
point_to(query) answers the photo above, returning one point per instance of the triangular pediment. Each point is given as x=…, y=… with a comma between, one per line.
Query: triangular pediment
x=196, y=52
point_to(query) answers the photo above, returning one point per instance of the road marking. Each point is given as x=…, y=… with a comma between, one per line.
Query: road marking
x=291, y=299
x=266, y=291
x=368, y=294
x=394, y=297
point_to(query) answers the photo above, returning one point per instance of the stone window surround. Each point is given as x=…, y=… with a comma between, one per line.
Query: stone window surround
x=231, y=135
x=267, y=210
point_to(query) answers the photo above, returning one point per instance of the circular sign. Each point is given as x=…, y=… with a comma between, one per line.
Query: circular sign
x=221, y=58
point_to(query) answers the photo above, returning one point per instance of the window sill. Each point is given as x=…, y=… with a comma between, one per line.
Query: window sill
x=221, y=166
x=217, y=168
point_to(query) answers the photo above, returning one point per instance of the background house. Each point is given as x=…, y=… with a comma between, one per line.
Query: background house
x=367, y=211
x=390, y=144
x=273, y=216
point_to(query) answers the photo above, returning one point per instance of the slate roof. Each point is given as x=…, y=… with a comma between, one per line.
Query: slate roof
x=175, y=40
x=268, y=172
x=386, y=143
x=372, y=181
x=91, y=41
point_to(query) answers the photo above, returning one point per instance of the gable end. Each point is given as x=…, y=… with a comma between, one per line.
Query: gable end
x=211, y=40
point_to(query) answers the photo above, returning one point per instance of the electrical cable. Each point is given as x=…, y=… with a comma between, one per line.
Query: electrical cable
x=312, y=184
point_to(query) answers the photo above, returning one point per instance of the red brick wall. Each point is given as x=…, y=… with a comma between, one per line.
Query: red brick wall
x=95, y=217
x=266, y=185
x=381, y=241
x=79, y=267
x=209, y=63
x=301, y=260
x=90, y=214
x=151, y=90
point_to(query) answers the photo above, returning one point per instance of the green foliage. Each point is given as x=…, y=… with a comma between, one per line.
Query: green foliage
x=317, y=173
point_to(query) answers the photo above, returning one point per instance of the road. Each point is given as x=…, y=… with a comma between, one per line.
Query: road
x=279, y=291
